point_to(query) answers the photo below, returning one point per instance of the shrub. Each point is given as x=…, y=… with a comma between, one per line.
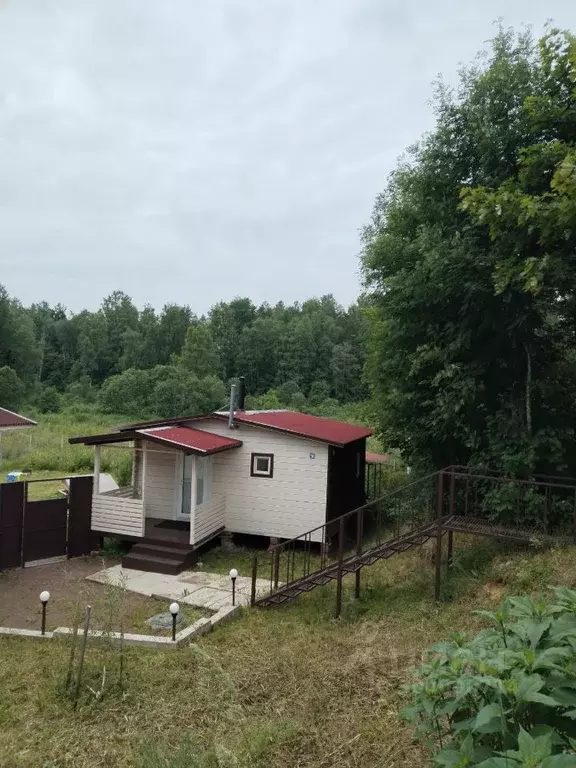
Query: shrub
x=49, y=400
x=506, y=697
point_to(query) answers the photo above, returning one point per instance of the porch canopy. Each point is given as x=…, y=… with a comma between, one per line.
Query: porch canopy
x=185, y=439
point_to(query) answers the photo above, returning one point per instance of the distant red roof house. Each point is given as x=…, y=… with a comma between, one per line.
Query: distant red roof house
x=377, y=458
x=11, y=420
x=304, y=425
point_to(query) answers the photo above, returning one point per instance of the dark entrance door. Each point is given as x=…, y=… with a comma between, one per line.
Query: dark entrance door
x=346, y=474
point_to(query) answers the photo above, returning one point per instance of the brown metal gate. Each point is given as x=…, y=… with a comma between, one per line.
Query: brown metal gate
x=45, y=529
x=37, y=530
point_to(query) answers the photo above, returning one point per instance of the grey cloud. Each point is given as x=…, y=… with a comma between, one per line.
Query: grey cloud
x=191, y=152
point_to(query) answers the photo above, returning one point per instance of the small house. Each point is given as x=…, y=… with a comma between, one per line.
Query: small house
x=274, y=473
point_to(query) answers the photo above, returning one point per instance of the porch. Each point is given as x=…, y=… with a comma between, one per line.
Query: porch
x=176, y=500
x=171, y=531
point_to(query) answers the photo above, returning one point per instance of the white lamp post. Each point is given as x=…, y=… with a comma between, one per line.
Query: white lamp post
x=233, y=576
x=44, y=597
x=174, y=610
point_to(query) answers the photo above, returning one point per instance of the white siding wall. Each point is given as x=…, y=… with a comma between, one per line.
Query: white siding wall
x=160, y=483
x=116, y=514
x=208, y=518
x=286, y=505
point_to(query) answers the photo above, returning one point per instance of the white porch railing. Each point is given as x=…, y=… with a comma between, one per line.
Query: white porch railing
x=117, y=512
x=208, y=518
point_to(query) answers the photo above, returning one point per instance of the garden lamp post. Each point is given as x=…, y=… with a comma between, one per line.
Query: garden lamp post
x=174, y=610
x=44, y=597
x=233, y=576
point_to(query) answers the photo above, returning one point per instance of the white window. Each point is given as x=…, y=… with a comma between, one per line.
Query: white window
x=262, y=465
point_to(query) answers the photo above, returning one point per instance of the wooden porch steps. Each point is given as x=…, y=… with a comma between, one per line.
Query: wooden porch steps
x=160, y=557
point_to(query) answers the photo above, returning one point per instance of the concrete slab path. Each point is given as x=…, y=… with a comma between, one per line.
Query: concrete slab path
x=197, y=588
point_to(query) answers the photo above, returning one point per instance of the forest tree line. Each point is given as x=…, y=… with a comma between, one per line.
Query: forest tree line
x=144, y=362
x=470, y=260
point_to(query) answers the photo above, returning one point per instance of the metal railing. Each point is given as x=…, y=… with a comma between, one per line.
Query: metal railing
x=387, y=518
x=528, y=505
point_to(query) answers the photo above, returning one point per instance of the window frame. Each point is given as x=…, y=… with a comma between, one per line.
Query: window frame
x=204, y=473
x=254, y=458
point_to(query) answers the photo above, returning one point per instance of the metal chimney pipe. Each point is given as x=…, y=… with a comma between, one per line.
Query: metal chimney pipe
x=232, y=406
x=241, y=393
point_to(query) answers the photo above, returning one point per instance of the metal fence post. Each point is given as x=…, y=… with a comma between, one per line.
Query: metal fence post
x=359, y=536
x=574, y=518
x=451, y=512
x=339, y=577
x=276, y=557
x=254, y=576
x=439, y=510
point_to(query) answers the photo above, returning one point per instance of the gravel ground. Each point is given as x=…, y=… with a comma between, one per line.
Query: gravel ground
x=66, y=581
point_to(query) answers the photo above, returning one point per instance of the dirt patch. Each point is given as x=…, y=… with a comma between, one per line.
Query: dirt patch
x=493, y=592
x=66, y=581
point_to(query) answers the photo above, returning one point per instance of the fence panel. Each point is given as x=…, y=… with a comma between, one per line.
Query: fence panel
x=11, y=522
x=81, y=539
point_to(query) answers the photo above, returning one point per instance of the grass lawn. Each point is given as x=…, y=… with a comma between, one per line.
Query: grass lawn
x=277, y=687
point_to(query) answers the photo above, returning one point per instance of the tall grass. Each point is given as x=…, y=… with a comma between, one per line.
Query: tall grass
x=45, y=448
x=275, y=688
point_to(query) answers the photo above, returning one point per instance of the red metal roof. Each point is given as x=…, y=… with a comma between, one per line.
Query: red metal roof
x=11, y=419
x=192, y=440
x=377, y=458
x=304, y=425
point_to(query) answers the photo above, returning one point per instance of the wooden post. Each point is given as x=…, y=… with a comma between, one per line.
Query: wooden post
x=439, y=510
x=82, y=654
x=339, y=576
x=254, y=576
x=359, y=536
x=450, y=548
x=96, y=470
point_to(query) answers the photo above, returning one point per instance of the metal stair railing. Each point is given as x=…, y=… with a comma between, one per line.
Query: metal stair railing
x=388, y=518
x=457, y=498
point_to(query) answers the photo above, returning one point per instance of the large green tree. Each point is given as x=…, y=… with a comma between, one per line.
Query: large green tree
x=470, y=267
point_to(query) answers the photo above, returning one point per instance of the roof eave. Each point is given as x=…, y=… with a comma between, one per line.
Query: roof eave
x=187, y=448
x=163, y=422
x=285, y=431
x=110, y=437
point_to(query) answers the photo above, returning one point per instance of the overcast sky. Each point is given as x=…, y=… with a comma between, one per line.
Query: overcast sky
x=194, y=151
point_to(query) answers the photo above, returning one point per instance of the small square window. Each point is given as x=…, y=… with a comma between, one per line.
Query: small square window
x=262, y=465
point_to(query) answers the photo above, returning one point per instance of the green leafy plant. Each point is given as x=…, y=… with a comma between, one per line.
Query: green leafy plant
x=507, y=697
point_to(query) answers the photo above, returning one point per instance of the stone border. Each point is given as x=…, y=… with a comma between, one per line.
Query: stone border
x=198, y=628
